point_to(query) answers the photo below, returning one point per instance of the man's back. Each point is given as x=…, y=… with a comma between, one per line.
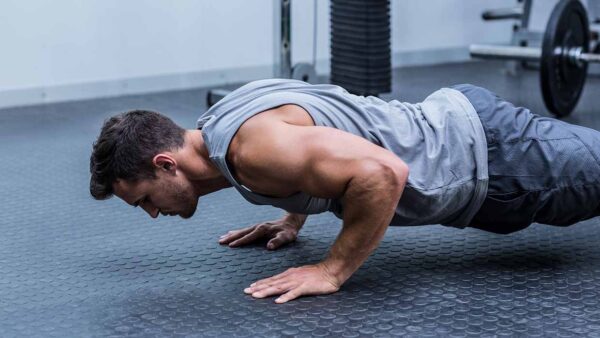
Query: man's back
x=440, y=139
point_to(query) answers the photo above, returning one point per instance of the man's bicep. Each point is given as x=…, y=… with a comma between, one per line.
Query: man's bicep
x=320, y=161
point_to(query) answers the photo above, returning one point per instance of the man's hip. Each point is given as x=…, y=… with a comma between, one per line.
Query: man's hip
x=540, y=169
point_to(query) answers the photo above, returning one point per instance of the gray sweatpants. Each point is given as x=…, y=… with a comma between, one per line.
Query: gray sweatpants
x=540, y=169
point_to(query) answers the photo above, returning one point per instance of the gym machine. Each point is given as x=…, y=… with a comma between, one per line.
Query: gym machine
x=564, y=56
x=283, y=54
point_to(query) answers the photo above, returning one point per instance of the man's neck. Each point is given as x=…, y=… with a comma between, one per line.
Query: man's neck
x=205, y=175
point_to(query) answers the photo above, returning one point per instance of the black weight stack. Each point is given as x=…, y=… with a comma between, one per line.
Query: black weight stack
x=360, y=46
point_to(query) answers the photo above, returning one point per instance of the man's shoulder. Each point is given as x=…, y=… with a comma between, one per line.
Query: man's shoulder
x=250, y=151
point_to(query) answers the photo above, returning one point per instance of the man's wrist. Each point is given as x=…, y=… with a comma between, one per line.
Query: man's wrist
x=295, y=219
x=337, y=270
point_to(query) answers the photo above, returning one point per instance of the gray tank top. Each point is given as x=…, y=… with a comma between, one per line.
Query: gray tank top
x=440, y=139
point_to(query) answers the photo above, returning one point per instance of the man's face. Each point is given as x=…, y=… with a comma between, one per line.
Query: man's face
x=166, y=194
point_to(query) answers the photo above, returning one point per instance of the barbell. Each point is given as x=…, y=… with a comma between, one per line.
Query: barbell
x=563, y=58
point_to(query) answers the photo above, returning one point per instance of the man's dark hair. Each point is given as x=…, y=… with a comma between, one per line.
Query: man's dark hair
x=126, y=146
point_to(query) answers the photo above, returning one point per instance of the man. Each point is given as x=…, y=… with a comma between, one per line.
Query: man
x=475, y=160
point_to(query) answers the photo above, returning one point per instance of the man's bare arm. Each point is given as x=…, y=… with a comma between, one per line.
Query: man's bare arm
x=328, y=163
x=369, y=203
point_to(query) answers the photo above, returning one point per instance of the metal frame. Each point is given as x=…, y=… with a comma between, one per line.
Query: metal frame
x=523, y=36
x=282, y=17
x=282, y=65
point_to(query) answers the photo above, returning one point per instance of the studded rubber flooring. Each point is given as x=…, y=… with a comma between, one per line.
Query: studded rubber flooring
x=74, y=267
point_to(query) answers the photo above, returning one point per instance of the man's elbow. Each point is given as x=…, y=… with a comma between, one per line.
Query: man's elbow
x=393, y=174
x=398, y=174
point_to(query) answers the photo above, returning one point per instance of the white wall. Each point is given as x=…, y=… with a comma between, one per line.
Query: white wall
x=65, y=41
x=72, y=49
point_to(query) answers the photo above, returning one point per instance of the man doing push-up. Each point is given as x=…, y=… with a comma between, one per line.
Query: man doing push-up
x=463, y=157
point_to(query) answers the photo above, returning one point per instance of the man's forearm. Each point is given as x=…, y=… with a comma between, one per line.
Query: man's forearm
x=369, y=205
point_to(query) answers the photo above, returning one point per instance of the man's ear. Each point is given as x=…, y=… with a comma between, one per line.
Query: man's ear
x=164, y=162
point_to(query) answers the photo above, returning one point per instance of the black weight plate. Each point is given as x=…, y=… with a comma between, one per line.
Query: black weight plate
x=361, y=13
x=373, y=67
x=335, y=8
x=360, y=3
x=362, y=23
x=366, y=63
x=562, y=81
x=367, y=37
x=361, y=72
x=358, y=27
x=343, y=14
x=375, y=41
x=355, y=48
x=360, y=52
x=360, y=59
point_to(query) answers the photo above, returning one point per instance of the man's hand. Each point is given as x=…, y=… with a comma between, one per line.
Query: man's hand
x=279, y=232
x=296, y=282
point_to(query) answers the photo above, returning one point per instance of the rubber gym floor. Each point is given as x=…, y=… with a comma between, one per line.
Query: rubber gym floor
x=71, y=266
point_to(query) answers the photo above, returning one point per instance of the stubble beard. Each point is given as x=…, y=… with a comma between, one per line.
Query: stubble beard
x=186, y=198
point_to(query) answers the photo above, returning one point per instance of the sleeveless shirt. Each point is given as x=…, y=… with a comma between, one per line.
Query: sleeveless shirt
x=440, y=139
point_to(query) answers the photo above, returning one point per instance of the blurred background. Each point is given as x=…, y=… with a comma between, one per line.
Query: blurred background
x=69, y=50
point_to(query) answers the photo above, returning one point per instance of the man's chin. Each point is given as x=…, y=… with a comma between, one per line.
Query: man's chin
x=187, y=215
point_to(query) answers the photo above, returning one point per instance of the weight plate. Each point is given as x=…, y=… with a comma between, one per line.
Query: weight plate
x=360, y=53
x=361, y=60
x=359, y=25
x=365, y=63
x=362, y=17
x=339, y=48
x=366, y=48
x=384, y=8
x=377, y=43
x=371, y=31
x=561, y=80
x=360, y=3
x=361, y=72
x=381, y=13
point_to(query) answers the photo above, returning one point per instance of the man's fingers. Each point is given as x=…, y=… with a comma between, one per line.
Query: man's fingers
x=290, y=295
x=266, y=284
x=235, y=234
x=257, y=233
x=272, y=290
x=281, y=238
